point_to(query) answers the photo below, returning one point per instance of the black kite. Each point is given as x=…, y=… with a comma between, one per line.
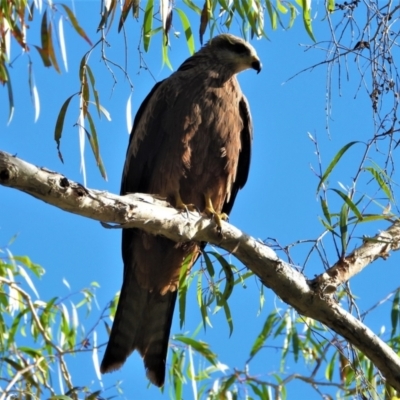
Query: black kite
x=191, y=143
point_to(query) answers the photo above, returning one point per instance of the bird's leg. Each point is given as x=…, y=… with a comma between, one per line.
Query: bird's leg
x=180, y=205
x=209, y=210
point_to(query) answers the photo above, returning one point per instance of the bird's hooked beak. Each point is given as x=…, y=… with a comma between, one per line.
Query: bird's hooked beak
x=256, y=64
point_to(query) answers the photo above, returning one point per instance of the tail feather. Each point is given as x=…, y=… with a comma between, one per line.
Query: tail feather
x=142, y=322
x=154, y=338
x=126, y=325
x=147, y=300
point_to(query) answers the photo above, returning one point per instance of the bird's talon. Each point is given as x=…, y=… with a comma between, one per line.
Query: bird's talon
x=180, y=205
x=224, y=217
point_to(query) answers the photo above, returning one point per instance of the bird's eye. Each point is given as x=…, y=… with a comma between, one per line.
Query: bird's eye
x=239, y=48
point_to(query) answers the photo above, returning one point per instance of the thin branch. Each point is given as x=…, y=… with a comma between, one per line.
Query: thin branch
x=17, y=376
x=379, y=246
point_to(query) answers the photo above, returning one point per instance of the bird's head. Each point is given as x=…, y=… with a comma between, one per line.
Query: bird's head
x=234, y=52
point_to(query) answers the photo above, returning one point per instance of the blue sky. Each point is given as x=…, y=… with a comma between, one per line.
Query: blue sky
x=279, y=200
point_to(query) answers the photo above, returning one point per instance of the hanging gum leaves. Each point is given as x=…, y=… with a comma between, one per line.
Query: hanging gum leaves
x=109, y=9
x=306, y=6
x=51, y=49
x=44, y=37
x=272, y=14
x=333, y=164
x=148, y=24
x=5, y=77
x=60, y=124
x=204, y=18
x=75, y=24
x=183, y=287
x=187, y=29
x=124, y=13
x=94, y=144
x=135, y=8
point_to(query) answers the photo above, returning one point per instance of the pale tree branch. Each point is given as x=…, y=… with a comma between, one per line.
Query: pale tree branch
x=155, y=216
x=379, y=246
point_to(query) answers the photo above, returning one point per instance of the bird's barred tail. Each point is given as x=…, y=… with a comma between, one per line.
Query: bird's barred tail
x=126, y=324
x=142, y=322
x=154, y=338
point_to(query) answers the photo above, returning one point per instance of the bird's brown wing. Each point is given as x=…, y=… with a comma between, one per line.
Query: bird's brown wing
x=243, y=168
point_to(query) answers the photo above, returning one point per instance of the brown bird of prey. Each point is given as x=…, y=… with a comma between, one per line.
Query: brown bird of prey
x=190, y=143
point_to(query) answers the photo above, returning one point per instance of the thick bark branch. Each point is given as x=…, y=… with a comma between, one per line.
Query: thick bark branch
x=156, y=217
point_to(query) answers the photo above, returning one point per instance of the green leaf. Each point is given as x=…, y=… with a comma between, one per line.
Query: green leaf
x=93, y=85
x=136, y=8
x=50, y=49
x=85, y=94
x=95, y=146
x=188, y=30
x=124, y=13
x=200, y=347
x=44, y=37
x=227, y=384
x=281, y=8
x=272, y=14
x=381, y=182
x=192, y=6
x=330, y=368
x=224, y=5
x=327, y=226
x=30, y=379
x=305, y=5
x=176, y=375
x=242, y=278
x=75, y=24
x=35, y=268
x=209, y=265
x=14, y=327
x=350, y=204
x=325, y=210
x=265, y=332
x=165, y=57
x=4, y=72
x=343, y=227
x=257, y=391
x=148, y=24
x=293, y=14
x=183, y=288
x=229, y=278
x=204, y=18
x=374, y=217
x=295, y=344
x=333, y=163
x=44, y=56
x=282, y=325
x=94, y=395
x=201, y=302
x=228, y=317
x=60, y=124
x=395, y=313
x=239, y=9
x=250, y=16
